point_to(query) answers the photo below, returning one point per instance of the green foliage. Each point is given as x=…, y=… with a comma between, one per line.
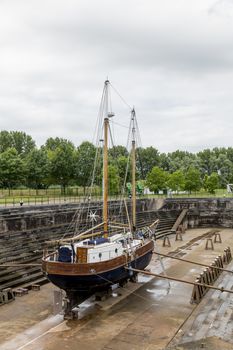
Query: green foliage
x=53, y=143
x=205, y=182
x=59, y=163
x=62, y=164
x=212, y=182
x=207, y=161
x=165, y=162
x=181, y=160
x=5, y=141
x=157, y=179
x=19, y=140
x=192, y=180
x=147, y=158
x=176, y=181
x=139, y=187
x=113, y=180
x=118, y=151
x=37, y=168
x=12, y=169
x=121, y=164
x=84, y=163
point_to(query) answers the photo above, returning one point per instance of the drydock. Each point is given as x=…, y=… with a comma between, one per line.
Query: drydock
x=154, y=313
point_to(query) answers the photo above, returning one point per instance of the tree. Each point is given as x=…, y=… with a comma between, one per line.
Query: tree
x=165, y=162
x=53, y=143
x=84, y=164
x=147, y=158
x=22, y=142
x=19, y=140
x=156, y=179
x=212, y=182
x=62, y=164
x=37, y=167
x=121, y=164
x=181, y=160
x=224, y=168
x=176, y=181
x=113, y=180
x=118, y=151
x=12, y=169
x=192, y=180
x=205, y=180
x=5, y=141
x=207, y=161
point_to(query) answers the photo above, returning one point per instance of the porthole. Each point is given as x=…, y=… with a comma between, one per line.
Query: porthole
x=100, y=254
x=116, y=250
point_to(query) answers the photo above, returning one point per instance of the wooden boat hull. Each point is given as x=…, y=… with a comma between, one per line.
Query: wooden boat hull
x=87, y=279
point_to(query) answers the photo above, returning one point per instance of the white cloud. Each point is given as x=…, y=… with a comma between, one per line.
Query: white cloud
x=172, y=60
x=222, y=8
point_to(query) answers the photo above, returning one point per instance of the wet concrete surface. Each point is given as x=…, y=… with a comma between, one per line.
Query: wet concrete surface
x=212, y=320
x=148, y=315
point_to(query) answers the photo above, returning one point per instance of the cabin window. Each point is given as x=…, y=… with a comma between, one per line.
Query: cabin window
x=100, y=255
x=116, y=250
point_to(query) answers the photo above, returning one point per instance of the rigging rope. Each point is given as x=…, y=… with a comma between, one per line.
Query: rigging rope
x=123, y=100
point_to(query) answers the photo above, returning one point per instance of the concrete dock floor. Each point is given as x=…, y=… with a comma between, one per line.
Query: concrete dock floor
x=148, y=315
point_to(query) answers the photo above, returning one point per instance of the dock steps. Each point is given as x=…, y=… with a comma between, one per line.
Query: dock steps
x=179, y=220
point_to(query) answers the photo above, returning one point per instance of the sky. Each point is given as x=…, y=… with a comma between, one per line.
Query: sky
x=171, y=60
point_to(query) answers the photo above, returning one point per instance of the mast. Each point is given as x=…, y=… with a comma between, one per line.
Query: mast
x=105, y=177
x=133, y=158
x=105, y=158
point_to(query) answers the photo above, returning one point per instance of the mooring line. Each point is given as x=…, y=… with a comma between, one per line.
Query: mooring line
x=193, y=262
x=180, y=280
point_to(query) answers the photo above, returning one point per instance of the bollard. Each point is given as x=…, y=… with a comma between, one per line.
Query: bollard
x=209, y=240
x=214, y=272
x=166, y=241
x=179, y=236
x=181, y=228
x=228, y=254
x=207, y=276
x=225, y=256
x=217, y=238
x=195, y=298
x=220, y=261
x=203, y=289
x=210, y=275
x=216, y=265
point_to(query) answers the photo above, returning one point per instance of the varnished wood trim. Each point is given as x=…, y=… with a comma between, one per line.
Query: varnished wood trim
x=72, y=269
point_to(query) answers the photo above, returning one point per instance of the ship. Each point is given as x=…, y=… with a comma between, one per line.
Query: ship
x=96, y=259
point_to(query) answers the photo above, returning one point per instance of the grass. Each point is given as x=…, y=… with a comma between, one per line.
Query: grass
x=200, y=194
x=76, y=194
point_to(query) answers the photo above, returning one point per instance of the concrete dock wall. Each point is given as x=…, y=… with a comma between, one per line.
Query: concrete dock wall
x=34, y=217
x=201, y=212
x=204, y=212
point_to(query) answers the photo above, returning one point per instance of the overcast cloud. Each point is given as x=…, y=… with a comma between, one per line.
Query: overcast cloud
x=172, y=60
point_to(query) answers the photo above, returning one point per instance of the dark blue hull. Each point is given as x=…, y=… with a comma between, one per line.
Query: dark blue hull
x=89, y=284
